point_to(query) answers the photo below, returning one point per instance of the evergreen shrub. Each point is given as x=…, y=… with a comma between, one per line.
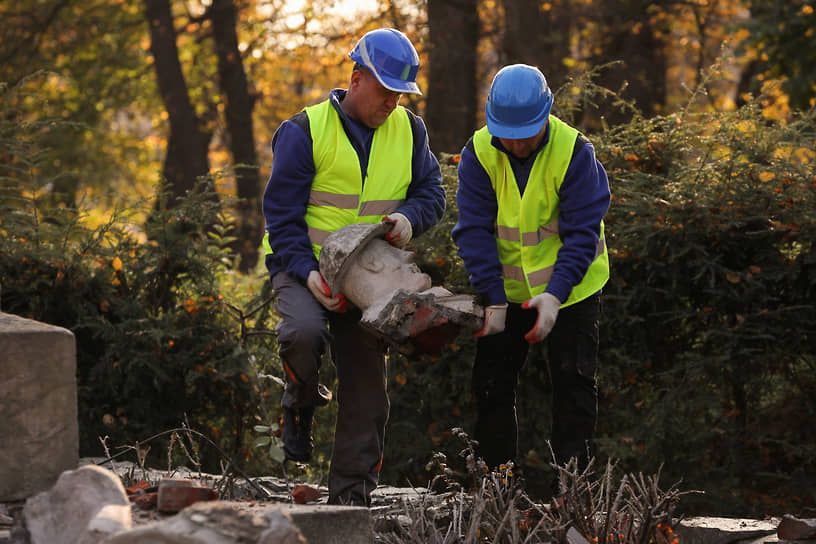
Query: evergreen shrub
x=157, y=344
x=709, y=337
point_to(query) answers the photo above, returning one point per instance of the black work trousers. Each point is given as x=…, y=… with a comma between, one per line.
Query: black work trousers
x=572, y=349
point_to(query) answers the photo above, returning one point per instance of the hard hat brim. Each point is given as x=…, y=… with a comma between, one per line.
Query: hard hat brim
x=514, y=132
x=397, y=85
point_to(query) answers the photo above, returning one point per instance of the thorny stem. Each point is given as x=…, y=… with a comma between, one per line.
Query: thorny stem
x=232, y=464
x=497, y=506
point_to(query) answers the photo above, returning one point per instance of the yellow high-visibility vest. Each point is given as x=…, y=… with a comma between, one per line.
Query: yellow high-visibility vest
x=338, y=196
x=527, y=226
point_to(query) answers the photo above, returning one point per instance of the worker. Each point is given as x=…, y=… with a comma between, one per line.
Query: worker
x=357, y=157
x=531, y=199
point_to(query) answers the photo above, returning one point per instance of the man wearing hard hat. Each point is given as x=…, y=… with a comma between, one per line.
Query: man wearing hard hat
x=531, y=198
x=357, y=157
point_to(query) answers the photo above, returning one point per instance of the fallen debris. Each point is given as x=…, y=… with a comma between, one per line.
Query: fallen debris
x=792, y=528
x=303, y=494
x=176, y=494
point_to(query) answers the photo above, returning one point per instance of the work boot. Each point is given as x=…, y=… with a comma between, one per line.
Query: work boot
x=297, y=433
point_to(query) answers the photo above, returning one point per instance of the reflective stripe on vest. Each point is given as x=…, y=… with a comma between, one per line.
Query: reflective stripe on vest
x=542, y=276
x=338, y=196
x=527, y=226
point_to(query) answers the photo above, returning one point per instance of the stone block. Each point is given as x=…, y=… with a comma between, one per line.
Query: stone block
x=39, y=435
x=329, y=524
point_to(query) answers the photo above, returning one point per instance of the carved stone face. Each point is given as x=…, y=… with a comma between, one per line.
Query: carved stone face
x=380, y=269
x=397, y=300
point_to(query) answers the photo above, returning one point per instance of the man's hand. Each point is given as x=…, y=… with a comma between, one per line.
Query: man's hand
x=323, y=294
x=400, y=234
x=547, y=306
x=494, y=319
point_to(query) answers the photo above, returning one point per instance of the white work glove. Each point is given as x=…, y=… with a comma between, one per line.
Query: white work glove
x=547, y=306
x=495, y=316
x=323, y=294
x=400, y=234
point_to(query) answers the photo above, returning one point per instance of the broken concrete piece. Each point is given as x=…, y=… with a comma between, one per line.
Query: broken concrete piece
x=423, y=322
x=216, y=523
x=397, y=299
x=110, y=520
x=83, y=506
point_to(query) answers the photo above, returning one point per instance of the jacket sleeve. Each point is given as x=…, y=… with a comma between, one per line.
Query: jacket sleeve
x=425, y=200
x=474, y=232
x=584, y=200
x=286, y=197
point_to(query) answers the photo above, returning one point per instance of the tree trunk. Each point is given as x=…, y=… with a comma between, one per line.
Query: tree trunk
x=538, y=37
x=239, y=104
x=452, y=94
x=187, y=145
x=628, y=35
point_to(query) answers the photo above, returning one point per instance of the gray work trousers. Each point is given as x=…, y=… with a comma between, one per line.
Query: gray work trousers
x=305, y=330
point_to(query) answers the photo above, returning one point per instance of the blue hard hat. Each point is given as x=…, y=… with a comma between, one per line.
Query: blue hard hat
x=519, y=102
x=390, y=56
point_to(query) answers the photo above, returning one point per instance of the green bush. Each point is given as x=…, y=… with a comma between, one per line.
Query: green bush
x=157, y=345
x=709, y=336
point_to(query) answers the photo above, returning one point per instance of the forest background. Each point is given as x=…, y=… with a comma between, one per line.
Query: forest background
x=134, y=149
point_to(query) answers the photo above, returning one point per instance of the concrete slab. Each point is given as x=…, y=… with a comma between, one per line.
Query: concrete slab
x=716, y=530
x=328, y=524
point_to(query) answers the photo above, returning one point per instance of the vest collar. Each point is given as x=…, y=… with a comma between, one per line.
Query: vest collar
x=357, y=132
